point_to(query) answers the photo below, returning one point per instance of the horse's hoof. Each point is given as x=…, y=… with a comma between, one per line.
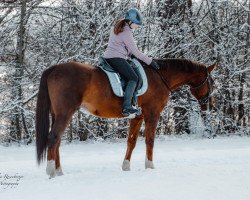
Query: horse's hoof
x=59, y=171
x=126, y=165
x=149, y=164
x=53, y=175
x=51, y=168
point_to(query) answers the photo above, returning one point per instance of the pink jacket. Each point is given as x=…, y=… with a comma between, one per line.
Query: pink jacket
x=123, y=45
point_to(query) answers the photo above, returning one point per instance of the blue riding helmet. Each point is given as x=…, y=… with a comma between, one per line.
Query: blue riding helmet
x=134, y=16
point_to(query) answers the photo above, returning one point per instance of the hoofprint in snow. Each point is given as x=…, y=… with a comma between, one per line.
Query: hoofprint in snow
x=185, y=169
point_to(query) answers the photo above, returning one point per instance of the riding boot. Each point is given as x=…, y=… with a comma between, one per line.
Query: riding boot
x=129, y=92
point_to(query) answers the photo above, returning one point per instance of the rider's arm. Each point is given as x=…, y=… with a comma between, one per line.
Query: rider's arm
x=129, y=41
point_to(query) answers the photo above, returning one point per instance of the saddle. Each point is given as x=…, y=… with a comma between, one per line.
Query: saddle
x=118, y=83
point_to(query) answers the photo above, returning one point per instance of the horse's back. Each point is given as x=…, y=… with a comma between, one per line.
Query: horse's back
x=73, y=67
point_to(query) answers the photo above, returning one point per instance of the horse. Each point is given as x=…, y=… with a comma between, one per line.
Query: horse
x=66, y=87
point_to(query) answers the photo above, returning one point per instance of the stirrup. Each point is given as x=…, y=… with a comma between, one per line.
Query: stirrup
x=130, y=111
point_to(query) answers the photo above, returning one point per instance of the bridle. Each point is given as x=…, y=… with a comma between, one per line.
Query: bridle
x=204, y=99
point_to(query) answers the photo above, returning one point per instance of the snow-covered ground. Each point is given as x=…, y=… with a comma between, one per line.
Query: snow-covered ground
x=186, y=169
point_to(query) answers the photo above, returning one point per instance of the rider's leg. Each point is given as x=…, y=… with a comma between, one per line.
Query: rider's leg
x=126, y=70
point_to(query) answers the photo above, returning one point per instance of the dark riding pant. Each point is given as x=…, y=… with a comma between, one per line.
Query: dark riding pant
x=127, y=71
x=124, y=68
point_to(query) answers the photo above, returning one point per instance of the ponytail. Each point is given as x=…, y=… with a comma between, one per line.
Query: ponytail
x=119, y=25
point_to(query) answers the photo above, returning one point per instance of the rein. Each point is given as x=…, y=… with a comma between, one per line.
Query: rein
x=164, y=80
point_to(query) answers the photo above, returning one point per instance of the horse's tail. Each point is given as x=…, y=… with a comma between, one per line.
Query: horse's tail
x=42, y=117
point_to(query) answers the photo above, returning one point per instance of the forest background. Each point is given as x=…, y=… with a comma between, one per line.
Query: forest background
x=36, y=34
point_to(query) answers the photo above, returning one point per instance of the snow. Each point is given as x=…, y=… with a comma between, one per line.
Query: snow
x=186, y=169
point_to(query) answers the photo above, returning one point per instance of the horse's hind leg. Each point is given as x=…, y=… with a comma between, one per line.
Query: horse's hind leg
x=54, y=165
x=54, y=139
x=135, y=125
x=57, y=155
x=57, y=161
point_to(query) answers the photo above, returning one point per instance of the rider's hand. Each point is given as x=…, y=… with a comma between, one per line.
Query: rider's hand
x=132, y=56
x=155, y=65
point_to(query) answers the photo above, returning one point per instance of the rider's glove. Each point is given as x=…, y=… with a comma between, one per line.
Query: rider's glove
x=155, y=64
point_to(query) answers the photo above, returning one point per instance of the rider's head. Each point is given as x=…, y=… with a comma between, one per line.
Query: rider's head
x=132, y=17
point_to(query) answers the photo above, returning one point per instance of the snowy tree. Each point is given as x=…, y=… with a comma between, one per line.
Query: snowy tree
x=36, y=34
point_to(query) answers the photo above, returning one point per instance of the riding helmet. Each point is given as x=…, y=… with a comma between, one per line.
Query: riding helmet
x=134, y=16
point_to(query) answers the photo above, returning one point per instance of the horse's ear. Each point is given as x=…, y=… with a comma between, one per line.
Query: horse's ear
x=212, y=67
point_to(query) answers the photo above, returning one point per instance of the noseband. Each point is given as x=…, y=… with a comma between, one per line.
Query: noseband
x=204, y=99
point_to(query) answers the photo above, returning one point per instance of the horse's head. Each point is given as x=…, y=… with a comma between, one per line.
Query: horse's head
x=202, y=89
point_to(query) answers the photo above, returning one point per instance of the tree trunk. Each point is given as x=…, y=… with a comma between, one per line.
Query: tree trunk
x=81, y=130
x=243, y=78
x=18, y=115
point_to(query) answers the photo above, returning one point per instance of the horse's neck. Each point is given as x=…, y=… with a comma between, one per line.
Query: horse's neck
x=177, y=79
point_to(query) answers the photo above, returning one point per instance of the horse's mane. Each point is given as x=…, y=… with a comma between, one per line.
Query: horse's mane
x=177, y=64
x=184, y=65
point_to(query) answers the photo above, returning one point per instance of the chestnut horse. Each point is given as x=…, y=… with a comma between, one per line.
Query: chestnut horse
x=66, y=87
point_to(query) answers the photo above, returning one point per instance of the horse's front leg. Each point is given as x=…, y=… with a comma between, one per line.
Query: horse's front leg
x=151, y=121
x=135, y=125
